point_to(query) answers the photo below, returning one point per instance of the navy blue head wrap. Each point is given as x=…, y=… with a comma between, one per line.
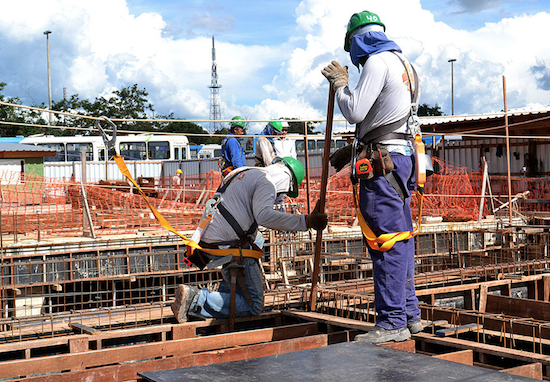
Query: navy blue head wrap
x=368, y=44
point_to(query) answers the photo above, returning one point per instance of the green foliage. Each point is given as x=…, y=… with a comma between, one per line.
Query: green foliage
x=17, y=115
x=189, y=128
x=127, y=103
x=425, y=110
x=298, y=127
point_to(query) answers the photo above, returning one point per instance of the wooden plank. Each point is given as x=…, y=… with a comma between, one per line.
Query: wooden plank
x=483, y=291
x=128, y=371
x=79, y=328
x=79, y=344
x=183, y=331
x=518, y=307
x=458, y=330
x=330, y=320
x=49, y=364
x=532, y=370
x=42, y=343
x=408, y=346
x=498, y=351
x=465, y=357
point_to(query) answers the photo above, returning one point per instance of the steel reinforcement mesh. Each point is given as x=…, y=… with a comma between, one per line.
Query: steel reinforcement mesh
x=31, y=204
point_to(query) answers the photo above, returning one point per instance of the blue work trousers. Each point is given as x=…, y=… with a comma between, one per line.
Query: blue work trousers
x=393, y=270
x=216, y=304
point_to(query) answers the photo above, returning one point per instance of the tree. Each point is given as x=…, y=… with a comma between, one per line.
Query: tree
x=298, y=127
x=127, y=103
x=18, y=115
x=425, y=110
x=189, y=128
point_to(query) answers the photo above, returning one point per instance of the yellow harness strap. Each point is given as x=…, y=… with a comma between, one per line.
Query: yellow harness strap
x=165, y=224
x=385, y=241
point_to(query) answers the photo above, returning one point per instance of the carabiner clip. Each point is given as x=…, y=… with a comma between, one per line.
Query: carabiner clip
x=353, y=170
x=110, y=142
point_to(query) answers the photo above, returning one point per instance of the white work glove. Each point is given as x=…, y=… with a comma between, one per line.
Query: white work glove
x=336, y=75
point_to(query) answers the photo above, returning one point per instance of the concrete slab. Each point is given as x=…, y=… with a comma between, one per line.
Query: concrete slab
x=341, y=362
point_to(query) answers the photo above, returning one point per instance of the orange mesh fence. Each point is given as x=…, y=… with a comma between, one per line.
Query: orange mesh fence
x=30, y=203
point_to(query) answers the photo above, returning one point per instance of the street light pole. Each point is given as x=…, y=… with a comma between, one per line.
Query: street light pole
x=47, y=33
x=452, y=60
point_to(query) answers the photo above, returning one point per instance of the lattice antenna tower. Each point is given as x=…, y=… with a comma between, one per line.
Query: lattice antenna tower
x=215, y=112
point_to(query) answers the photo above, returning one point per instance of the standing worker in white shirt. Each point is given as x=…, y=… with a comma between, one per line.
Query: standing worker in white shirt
x=284, y=147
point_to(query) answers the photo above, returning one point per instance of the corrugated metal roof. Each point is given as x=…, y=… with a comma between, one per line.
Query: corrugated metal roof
x=438, y=120
x=18, y=147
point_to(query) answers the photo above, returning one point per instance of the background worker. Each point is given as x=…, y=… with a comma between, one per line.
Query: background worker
x=265, y=144
x=232, y=152
x=249, y=199
x=383, y=97
x=177, y=181
x=284, y=147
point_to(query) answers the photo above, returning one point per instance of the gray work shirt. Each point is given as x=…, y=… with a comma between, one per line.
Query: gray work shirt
x=250, y=196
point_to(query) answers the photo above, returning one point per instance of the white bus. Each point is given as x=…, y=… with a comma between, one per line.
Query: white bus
x=136, y=147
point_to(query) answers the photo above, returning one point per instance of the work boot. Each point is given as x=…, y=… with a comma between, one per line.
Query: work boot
x=184, y=298
x=379, y=334
x=415, y=326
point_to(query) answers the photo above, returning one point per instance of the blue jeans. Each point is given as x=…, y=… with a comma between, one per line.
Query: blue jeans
x=393, y=270
x=216, y=304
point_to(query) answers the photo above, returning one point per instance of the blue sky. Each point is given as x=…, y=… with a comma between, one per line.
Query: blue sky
x=270, y=53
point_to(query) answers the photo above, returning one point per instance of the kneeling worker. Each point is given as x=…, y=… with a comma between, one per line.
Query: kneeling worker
x=248, y=198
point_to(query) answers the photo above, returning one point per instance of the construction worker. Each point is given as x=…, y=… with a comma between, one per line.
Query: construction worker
x=284, y=147
x=232, y=152
x=177, y=182
x=380, y=106
x=249, y=199
x=265, y=145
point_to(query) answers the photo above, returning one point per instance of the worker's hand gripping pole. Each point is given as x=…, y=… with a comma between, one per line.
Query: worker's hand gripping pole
x=322, y=198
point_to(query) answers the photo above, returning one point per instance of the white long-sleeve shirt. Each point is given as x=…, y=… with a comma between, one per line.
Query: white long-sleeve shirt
x=381, y=97
x=285, y=147
x=250, y=196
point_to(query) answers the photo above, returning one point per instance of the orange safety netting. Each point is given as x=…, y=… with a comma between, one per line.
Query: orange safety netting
x=30, y=203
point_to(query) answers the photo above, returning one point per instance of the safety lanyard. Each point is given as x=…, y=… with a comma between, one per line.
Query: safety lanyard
x=385, y=241
x=166, y=225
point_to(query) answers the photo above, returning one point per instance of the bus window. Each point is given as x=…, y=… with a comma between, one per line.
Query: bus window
x=101, y=154
x=59, y=148
x=133, y=150
x=340, y=143
x=299, y=145
x=74, y=149
x=321, y=144
x=159, y=150
x=177, y=153
x=311, y=144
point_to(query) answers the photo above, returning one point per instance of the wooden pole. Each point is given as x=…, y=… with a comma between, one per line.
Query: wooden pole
x=322, y=194
x=507, y=150
x=306, y=159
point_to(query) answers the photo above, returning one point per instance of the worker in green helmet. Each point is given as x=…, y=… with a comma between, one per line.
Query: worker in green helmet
x=232, y=152
x=382, y=106
x=247, y=196
x=265, y=144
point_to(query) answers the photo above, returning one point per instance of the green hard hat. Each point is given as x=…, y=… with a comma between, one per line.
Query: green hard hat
x=359, y=20
x=277, y=125
x=298, y=172
x=236, y=121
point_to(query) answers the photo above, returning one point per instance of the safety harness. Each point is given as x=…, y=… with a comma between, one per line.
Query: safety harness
x=385, y=241
x=191, y=245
